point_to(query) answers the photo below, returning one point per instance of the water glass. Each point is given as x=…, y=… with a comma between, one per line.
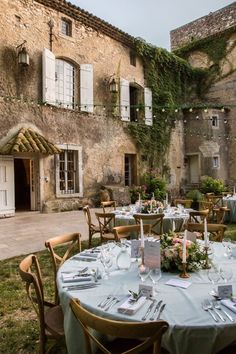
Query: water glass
x=155, y=276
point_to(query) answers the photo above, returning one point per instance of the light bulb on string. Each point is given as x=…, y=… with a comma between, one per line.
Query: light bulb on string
x=222, y=109
x=225, y=121
x=163, y=110
x=205, y=110
x=176, y=110
x=190, y=109
x=197, y=117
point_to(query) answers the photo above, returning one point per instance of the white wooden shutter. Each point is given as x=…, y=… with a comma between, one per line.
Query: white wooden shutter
x=86, y=88
x=148, y=105
x=48, y=76
x=124, y=100
x=7, y=189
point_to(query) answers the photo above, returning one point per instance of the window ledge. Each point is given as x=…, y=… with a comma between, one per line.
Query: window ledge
x=72, y=195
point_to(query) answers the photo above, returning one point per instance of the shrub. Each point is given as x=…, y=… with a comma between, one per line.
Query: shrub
x=195, y=195
x=212, y=185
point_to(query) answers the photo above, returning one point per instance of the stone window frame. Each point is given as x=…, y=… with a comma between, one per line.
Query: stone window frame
x=214, y=121
x=66, y=27
x=133, y=58
x=79, y=169
x=214, y=159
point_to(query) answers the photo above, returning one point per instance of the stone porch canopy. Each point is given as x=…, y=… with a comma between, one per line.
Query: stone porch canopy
x=27, y=140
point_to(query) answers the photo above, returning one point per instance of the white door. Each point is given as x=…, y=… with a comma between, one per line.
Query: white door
x=194, y=169
x=7, y=200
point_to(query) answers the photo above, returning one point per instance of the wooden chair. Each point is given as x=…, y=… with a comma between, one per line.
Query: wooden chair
x=216, y=200
x=203, y=205
x=132, y=337
x=51, y=321
x=106, y=223
x=198, y=216
x=72, y=241
x=216, y=231
x=156, y=221
x=93, y=229
x=185, y=202
x=128, y=231
x=220, y=214
x=108, y=206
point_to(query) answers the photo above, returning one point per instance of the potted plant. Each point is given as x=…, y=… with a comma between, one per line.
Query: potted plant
x=212, y=185
x=196, y=196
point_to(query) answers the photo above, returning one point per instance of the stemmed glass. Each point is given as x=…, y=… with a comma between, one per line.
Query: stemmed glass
x=214, y=276
x=226, y=274
x=226, y=242
x=155, y=276
x=107, y=262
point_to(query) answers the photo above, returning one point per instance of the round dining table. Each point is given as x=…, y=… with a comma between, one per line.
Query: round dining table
x=173, y=220
x=191, y=329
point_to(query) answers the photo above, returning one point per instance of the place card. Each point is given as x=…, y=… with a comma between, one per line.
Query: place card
x=147, y=290
x=179, y=283
x=225, y=291
x=191, y=236
x=152, y=254
x=135, y=248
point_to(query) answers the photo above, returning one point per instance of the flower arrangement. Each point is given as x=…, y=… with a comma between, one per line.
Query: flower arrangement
x=151, y=206
x=172, y=254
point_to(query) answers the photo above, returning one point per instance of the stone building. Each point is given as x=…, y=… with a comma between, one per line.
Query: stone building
x=209, y=126
x=69, y=83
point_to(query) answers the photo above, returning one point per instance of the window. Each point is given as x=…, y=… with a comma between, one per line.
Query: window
x=216, y=162
x=215, y=121
x=130, y=169
x=59, y=83
x=66, y=27
x=65, y=84
x=69, y=171
x=132, y=57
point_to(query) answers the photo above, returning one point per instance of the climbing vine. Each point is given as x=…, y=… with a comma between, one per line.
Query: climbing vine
x=172, y=81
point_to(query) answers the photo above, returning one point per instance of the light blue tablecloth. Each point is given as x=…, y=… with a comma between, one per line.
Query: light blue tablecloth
x=231, y=204
x=191, y=330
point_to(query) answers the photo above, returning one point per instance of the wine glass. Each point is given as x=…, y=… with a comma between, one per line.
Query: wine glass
x=155, y=276
x=214, y=276
x=107, y=261
x=143, y=272
x=226, y=242
x=226, y=274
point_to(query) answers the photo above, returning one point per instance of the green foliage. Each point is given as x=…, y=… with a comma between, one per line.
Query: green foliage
x=154, y=185
x=172, y=81
x=212, y=185
x=195, y=195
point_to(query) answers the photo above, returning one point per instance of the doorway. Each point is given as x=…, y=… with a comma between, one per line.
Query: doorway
x=22, y=177
x=194, y=172
x=130, y=169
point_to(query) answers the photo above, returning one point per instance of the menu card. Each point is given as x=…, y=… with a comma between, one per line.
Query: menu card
x=152, y=254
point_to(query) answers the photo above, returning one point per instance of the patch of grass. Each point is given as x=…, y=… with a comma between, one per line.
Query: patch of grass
x=19, y=326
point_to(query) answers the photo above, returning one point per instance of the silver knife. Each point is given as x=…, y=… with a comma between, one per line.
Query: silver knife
x=149, y=310
x=155, y=311
x=228, y=315
x=161, y=309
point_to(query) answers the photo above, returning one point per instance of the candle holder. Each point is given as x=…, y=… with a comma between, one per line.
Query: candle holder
x=206, y=265
x=184, y=273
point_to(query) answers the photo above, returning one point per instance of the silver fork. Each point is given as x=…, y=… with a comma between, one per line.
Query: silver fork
x=105, y=301
x=213, y=307
x=218, y=307
x=205, y=307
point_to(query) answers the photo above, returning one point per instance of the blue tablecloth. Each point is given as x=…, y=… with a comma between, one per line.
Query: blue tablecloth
x=191, y=330
x=231, y=204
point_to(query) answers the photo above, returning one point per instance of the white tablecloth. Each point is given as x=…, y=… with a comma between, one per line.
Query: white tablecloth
x=191, y=330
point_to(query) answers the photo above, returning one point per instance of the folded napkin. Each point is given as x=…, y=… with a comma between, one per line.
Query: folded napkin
x=75, y=277
x=90, y=254
x=179, y=283
x=129, y=307
x=87, y=256
x=230, y=304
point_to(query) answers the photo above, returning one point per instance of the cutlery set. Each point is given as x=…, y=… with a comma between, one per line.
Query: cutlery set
x=157, y=310
x=109, y=302
x=215, y=310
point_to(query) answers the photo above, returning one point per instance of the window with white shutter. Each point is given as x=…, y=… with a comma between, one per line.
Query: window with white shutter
x=148, y=105
x=65, y=84
x=124, y=100
x=48, y=76
x=86, y=88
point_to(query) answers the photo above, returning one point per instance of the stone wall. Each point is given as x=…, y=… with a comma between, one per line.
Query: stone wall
x=203, y=27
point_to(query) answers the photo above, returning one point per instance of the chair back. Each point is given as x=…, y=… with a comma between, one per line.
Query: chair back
x=220, y=214
x=156, y=221
x=30, y=273
x=198, y=216
x=130, y=231
x=185, y=202
x=216, y=230
x=93, y=229
x=205, y=204
x=149, y=332
x=59, y=255
x=106, y=223
x=216, y=200
x=108, y=206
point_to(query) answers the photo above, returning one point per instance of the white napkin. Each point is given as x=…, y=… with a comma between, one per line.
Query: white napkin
x=131, y=308
x=179, y=283
x=74, y=277
x=230, y=304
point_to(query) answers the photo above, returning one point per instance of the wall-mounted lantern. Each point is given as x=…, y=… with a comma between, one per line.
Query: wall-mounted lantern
x=22, y=54
x=113, y=86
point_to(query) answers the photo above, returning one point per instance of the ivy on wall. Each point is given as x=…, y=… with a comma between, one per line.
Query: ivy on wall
x=172, y=81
